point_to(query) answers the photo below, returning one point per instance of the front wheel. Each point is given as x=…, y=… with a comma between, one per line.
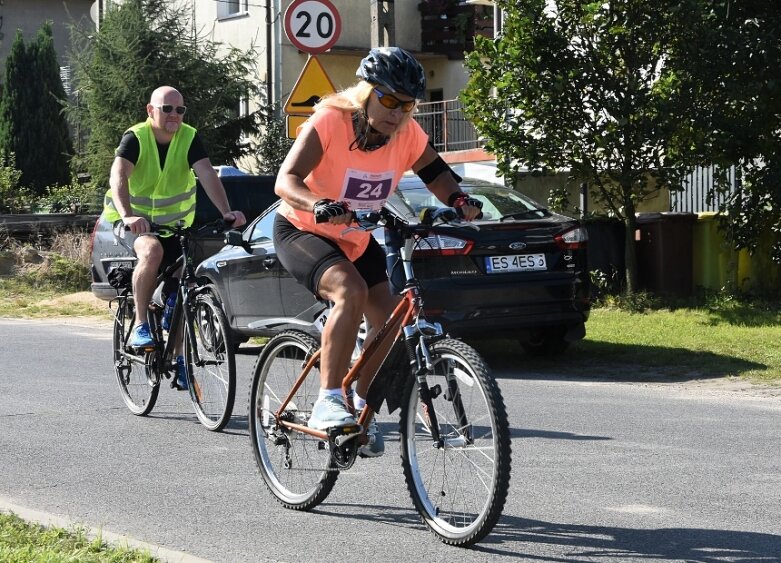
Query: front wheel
x=139, y=394
x=459, y=484
x=296, y=467
x=210, y=362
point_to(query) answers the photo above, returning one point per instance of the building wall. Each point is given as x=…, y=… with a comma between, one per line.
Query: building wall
x=250, y=27
x=29, y=15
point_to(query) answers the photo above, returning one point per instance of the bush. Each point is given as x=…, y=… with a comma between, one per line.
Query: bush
x=76, y=197
x=64, y=274
x=13, y=197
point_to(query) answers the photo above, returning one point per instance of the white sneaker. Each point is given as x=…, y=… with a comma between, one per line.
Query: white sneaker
x=328, y=412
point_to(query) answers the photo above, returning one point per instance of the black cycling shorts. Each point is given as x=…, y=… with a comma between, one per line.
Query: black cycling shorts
x=172, y=250
x=307, y=256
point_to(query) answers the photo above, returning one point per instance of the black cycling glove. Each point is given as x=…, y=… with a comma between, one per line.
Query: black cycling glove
x=324, y=209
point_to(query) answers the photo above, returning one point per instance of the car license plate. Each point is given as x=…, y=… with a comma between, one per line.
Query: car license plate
x=120, y=264
x=516, y=263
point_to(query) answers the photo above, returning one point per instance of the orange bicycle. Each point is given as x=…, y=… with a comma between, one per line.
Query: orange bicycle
x=455, y=441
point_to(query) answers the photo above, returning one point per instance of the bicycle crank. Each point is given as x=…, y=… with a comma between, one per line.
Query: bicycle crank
x=343, y=444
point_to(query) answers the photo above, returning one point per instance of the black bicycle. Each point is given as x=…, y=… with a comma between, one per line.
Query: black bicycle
x=208, y=350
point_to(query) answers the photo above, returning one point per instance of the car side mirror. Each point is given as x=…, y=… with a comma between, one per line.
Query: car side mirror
x=234, y=238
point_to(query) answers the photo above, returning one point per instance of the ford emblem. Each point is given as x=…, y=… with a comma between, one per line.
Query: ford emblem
x=517, y=245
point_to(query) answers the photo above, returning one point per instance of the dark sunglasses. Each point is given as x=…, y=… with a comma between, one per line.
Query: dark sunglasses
x=168, y=108
x=392, y=102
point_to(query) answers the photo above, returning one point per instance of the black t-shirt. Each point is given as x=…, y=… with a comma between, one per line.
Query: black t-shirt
x=129, y=148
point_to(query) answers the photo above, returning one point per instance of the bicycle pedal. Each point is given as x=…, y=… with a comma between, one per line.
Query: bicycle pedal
x=341, y=434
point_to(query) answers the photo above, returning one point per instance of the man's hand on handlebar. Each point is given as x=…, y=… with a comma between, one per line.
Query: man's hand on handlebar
x=330, y=211
x=136, y=225
x=234, y=218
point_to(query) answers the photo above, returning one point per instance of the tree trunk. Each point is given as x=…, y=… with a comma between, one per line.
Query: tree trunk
x=630, y=250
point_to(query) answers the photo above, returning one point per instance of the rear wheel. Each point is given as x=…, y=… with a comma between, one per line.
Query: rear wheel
x=459, y=485
x=212, y=378
x=296, y=467
x=135, y=387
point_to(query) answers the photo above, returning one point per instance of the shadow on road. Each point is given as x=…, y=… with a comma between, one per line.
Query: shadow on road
x=579, y=543
x=613, y=362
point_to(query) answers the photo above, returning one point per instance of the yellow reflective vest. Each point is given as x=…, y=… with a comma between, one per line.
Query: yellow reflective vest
x=161, y=196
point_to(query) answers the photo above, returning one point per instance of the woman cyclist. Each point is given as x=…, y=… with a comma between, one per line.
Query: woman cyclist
x=350, y=155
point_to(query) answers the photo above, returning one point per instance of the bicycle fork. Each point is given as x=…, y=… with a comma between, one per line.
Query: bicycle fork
x=418, y=347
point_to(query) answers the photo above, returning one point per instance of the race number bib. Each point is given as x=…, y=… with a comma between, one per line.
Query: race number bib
x=366, y=190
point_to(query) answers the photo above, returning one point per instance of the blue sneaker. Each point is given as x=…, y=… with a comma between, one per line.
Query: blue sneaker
x=328, y=412
x=181, y=374
x=141, y=337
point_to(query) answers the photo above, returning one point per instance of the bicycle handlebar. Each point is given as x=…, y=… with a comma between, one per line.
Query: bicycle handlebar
x=212, y=227
x=429, y=217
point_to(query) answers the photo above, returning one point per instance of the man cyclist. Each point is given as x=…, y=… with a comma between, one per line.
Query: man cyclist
x=350, y=155
x=152, y=180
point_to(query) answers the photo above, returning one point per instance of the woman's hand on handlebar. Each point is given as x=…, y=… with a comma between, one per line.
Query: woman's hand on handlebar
x=234, y=218
x=334, y=212
x=468, y=208
x=136, y=225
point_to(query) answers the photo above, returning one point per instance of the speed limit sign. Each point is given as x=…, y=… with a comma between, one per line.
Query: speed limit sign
x=313, y=26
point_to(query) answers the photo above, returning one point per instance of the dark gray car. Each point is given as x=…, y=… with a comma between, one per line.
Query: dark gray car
x=523, y=274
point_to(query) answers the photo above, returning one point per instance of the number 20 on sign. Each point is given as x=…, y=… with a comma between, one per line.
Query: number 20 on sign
x=313, y=26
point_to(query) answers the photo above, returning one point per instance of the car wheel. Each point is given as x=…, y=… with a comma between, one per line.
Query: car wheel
x=545, y=342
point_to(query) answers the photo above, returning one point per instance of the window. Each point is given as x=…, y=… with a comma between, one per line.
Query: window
x=230, y=8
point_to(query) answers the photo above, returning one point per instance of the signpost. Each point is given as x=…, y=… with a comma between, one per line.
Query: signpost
x=313, y=26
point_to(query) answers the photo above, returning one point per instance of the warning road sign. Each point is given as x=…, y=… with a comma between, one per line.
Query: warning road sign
x=312, y=84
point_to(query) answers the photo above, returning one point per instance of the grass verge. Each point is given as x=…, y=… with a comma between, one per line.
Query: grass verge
x=19, y=299
x=23, y=542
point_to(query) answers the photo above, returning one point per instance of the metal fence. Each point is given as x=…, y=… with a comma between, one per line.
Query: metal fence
x=697, y=187
x=447, y=127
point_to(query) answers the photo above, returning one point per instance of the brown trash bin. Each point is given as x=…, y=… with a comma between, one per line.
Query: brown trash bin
x=664, y=243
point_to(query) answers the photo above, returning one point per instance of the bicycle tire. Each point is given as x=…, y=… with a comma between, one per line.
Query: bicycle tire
x=296, y=467
x=134, y=386
x=212, y=385
x=458, y=489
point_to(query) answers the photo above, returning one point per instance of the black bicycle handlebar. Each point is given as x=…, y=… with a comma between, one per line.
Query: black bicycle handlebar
x=428, y=218
x=212, y=227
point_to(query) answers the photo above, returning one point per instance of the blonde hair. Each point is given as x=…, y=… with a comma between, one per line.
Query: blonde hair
x=354, y=99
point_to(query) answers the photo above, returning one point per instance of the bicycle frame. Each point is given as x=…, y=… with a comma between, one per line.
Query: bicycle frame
x=400, y=324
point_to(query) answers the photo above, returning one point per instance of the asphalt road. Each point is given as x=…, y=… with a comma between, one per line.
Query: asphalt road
x=601, y=471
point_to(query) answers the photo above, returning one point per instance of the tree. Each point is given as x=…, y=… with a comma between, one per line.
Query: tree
x=32, y=124
x=583, y=86
x=729, y=60
x=143, y=44
x=273, y=145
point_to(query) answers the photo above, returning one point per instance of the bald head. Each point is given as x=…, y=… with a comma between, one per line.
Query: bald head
x=166, y=95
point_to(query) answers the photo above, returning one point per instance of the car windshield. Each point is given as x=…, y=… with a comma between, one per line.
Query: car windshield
x=498, y=203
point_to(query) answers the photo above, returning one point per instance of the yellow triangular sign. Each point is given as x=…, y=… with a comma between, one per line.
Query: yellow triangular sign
x=312, y=84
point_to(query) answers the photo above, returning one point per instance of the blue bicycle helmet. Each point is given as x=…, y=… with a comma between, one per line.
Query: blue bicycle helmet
x=394, y=68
